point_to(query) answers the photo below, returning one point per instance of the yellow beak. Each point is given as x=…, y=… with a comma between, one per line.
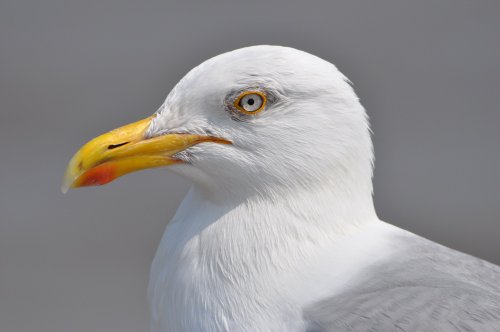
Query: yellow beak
x=125, y=150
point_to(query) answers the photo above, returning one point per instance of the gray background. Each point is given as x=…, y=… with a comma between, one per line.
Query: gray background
x=428, y=73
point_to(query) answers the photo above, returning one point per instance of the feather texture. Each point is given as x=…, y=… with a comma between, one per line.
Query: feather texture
x=279, y=231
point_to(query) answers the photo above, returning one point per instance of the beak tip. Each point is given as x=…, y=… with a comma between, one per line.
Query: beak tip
x=67, y=182
x=65, y=187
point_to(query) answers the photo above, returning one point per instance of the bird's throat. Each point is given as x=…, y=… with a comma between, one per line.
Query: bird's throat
x=240, y=256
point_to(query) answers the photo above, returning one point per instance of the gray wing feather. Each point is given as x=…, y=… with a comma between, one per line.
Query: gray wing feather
x=424, y=287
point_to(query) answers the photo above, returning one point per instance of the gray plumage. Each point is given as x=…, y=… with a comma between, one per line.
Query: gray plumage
x=425, y=287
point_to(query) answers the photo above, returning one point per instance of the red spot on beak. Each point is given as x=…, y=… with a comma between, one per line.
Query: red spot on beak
x=98, y=175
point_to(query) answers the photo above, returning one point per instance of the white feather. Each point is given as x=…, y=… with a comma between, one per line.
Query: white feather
x=279, y=218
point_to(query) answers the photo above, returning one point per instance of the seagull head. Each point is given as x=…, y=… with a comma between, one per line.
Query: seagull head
x=253, y=120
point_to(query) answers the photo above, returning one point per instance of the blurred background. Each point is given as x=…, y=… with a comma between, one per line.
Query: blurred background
x=428, y=73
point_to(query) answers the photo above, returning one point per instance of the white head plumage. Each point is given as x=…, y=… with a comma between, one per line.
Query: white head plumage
x=312, y=128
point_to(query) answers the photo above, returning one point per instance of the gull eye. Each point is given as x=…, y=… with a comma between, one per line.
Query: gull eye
x=250, y=102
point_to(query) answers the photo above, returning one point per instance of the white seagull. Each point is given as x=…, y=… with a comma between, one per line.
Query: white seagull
x=278, y=231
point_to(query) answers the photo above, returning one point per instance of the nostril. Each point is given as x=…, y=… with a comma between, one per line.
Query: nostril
x=114, y=146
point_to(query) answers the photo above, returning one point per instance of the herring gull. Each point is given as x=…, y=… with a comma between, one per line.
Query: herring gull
x=278, y=231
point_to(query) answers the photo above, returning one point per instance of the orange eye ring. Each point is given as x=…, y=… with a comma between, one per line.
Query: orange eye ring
x=237, y=102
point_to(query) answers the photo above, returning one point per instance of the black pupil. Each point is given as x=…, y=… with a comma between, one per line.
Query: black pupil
x=250, y=101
